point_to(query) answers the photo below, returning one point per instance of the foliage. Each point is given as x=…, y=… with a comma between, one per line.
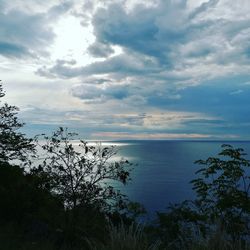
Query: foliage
x=83, y=175
x=178, y=227
x=223, y=191
x=28, y=213
x=217, y=241
x=33, y=215
x=222, y=204
x=135, y=210
x=68, y=200
x=13, y=144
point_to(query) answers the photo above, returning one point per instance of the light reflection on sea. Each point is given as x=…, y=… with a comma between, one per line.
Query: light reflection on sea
x=162, y=169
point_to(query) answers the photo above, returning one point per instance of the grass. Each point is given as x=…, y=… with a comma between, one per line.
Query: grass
x=124, y=237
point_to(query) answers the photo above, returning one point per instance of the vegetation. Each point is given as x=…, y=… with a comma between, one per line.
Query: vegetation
x=221, y=207
x=65, y=198
x=13, y=144
x=127, y=237
x=61, y=199
x=83, y=176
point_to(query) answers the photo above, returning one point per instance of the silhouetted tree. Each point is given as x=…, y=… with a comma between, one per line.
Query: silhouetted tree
x=13, y=144
x=222, y=203
x=223, y=191
x=83, y=174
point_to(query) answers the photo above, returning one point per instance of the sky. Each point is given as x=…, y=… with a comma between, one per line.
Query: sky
x=129, y=69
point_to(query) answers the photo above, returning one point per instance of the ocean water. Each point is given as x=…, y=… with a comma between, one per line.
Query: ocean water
x=165, y=168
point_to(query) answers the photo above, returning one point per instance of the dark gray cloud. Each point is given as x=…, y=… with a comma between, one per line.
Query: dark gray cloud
x=100, y=93
x=155, y=32
x=123, y=65
x=13, y=50
x=203, y=8
x=100, y=50
x=136, y=30
x=62, y=69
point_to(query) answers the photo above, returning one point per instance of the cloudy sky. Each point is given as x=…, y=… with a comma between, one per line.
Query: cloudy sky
x=129, y=69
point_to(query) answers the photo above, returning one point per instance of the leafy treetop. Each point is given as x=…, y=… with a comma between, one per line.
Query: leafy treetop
x=13, y=144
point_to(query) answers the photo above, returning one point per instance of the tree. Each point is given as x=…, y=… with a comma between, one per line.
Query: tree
x=13, y=144
x=223, y=191
x=83, y=174
x=222, y=204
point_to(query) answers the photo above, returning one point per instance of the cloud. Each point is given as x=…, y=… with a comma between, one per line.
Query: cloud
x=100, y=50
x=100, y=93
x=204, y=7
x=236, y=92
x=156, y=67
x=197, y=46
x=122, y=65
x=156, y=136
x=62, y=68
x=164, y=120
x=13, y=50
x=102, y=120
x=27, y=34
x=58, y=9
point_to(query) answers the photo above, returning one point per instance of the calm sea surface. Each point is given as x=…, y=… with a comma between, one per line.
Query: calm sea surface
x=165, y=169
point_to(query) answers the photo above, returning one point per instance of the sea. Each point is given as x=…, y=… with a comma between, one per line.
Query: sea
x=163, y=170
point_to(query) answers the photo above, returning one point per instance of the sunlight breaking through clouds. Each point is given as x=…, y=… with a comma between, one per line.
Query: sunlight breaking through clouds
x=125, y=58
